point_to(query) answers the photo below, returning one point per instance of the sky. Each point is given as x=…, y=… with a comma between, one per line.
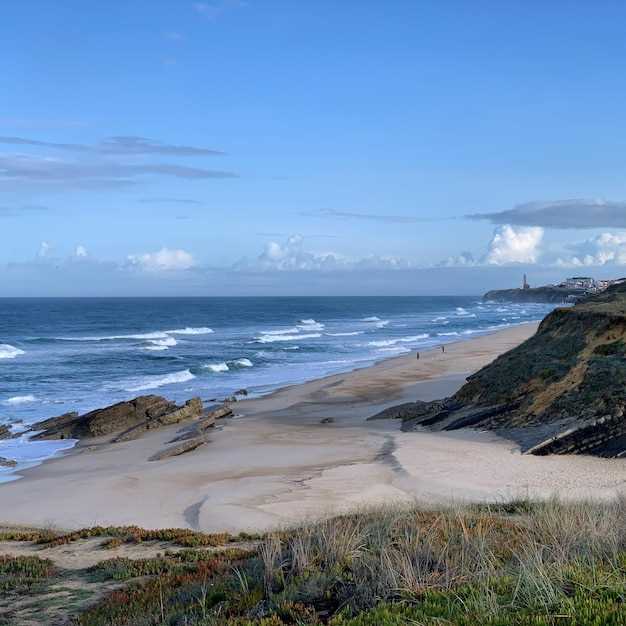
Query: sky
x=309, y=148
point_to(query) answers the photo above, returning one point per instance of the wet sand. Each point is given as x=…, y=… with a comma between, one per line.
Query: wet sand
x=276, y=464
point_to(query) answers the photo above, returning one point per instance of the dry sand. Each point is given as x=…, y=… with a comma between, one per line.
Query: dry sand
x=277, y=464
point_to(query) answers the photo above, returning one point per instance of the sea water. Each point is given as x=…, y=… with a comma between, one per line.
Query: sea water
x=60, y=355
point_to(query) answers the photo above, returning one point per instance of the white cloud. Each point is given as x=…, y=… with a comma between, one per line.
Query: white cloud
x=465, y=259
x=80, y=252
x=162, y=260
x=605, y=249
x=44, y=250
x=514, y=245
x=291, y=256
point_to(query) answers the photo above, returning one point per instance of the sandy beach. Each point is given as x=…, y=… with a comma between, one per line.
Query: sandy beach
x=276, y=464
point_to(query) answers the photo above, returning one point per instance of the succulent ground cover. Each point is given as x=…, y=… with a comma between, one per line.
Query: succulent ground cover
x=517, y=563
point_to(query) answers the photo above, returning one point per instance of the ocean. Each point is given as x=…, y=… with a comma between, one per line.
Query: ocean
x=59, y=355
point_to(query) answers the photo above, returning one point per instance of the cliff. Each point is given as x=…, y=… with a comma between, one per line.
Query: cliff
x=549, y=294
x=561, y=391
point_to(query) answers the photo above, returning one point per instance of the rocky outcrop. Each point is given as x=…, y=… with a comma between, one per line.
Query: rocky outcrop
x=122, y=421
x=4, y=462
x=560, y=392
x=410, y=411
x=201, y=426
x=5, y=432
x=180, y=448
x=548, y=294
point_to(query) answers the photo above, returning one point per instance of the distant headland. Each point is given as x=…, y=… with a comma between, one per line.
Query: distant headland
x=570, y=290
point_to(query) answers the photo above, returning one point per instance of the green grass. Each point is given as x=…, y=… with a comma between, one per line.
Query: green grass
x=515, y=563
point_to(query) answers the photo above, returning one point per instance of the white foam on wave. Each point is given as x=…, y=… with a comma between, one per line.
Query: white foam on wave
x=161, y=344
x=282, y=331
x=372, y=318
x=147, y=336
x=20, y=400
x=273, y=338
x=152, y=382
x=440, y=318
x=200, y=330
x=351, y=334
x=392, y=342
x=461, y=312
x=8, y=351
x=307, y=325
x=243, y=362
x=29, y=453
x=381, y=324
x=151, y=336
x=216, y=367
x=395, y=349
x=451, y=334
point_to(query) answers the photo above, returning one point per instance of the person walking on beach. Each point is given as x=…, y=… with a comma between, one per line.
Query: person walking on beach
x=417, y=354
x=443, y=348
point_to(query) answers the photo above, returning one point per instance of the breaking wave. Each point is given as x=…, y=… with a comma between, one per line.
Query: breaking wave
x=392, y=342
x=200, y=330
x=152, y=382
x=310, y=325
x=216, y=367
x=272, y=338
x=243, y=362
x=9, y=352
x=20, y=400
x=161, y=344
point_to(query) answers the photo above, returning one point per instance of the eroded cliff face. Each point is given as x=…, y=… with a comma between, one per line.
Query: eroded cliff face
x=561, y=391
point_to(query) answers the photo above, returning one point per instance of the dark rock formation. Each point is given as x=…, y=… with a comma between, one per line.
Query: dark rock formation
x=5, y=432
x=561, y=391
x=123, y=421
x=181, y=448
x=327, y=420
x=410, y=411
x=4, y=462
x=207, y=422
x=218, y=413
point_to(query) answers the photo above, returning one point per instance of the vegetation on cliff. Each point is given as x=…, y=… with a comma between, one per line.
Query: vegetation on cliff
x=551, y=294
x=561, y=391
x=518, y=563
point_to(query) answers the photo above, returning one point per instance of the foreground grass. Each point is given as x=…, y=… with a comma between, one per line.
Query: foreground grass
x=520, y=563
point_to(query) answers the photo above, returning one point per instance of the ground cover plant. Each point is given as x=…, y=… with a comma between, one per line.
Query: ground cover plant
x=516, y=563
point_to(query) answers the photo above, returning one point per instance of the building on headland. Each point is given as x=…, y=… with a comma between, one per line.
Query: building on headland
x=582, y=282
x=569, y=291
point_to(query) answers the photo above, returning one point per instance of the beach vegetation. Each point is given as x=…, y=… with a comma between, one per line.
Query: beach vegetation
x=512, y=563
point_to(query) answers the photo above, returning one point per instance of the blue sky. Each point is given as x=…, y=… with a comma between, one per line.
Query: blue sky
x=309, y=147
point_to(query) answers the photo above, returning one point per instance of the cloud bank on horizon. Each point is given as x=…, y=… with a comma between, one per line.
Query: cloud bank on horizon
x=518, y=238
